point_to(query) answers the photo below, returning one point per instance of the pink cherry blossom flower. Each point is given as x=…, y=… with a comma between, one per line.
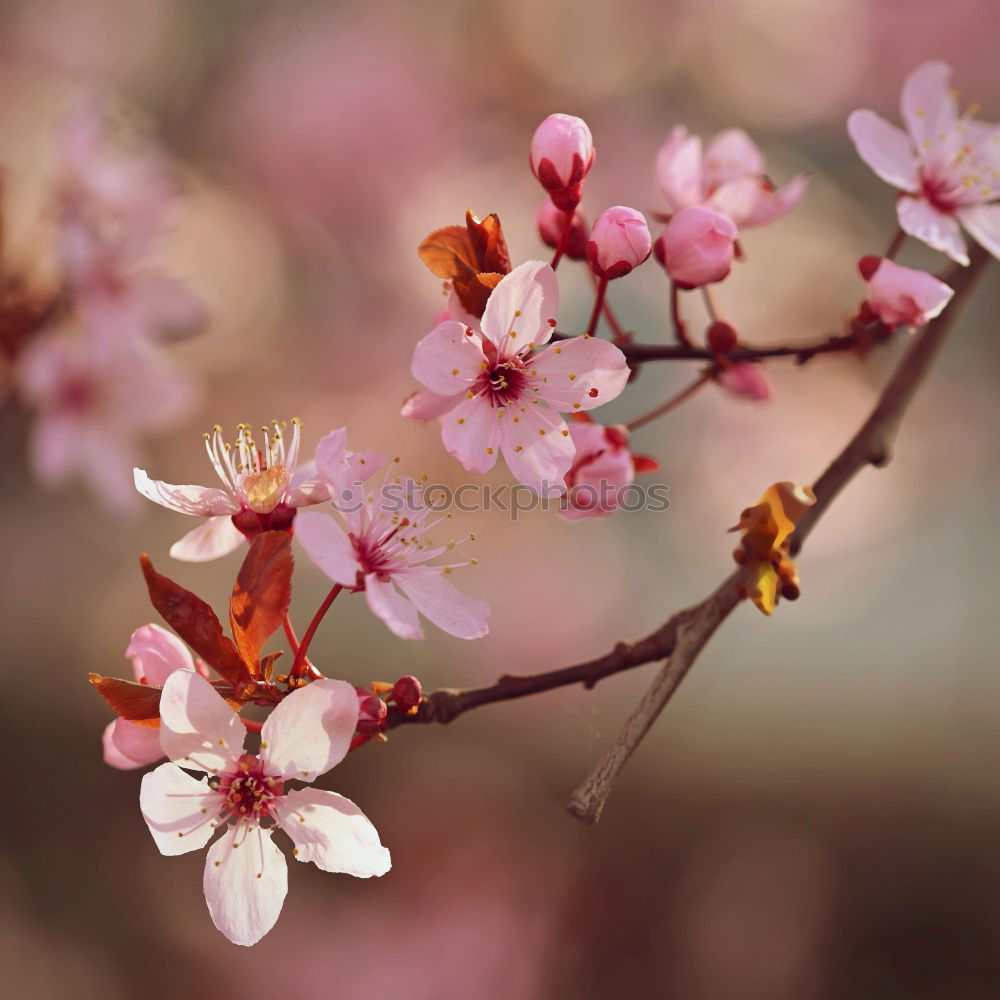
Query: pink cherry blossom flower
x=745, y=380
x=155, y=654
x=619, y=242
x=93, y=401
x=263, y=488
x=551, y=220
x=513, y=391
x=386, y=550
x=946, y=165
x=562, y=152
x=114, y=202
x=697, y=246
x=603, y=468
x=729, y=177
x=246, y=877
x=903, y=296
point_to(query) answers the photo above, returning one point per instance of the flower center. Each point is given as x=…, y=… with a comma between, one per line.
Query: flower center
x=249, y=793
x=505, y=382
x=263, y=490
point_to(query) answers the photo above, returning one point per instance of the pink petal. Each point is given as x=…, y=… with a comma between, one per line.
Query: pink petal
x=197, y=727
x=679, y=169
x=983, y=225
x=437, y=600
x=525, y=304
x=471, y=433
x=538, y=448
x=364, y=464
x=156, y=653
x=928, y=105
x=906, y=296
x=596, y=364
x=167, y=309
x=767, y=206
x=396, y=611
x=138, y=743
x=214, y=538
x=328, y=546
x=886, y=149
x=202, y=500
x=179, y=810
x=731, y=154
x=447, y=360
x=333, y=833
x=246, y=881
x=331, y=457
x=426, y=405
x=307, y=486
x=920, y=219
x=310, y=730
x=54, y=447
x=114, y=757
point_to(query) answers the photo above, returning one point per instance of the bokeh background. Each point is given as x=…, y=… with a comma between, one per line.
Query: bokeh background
x=817, y=814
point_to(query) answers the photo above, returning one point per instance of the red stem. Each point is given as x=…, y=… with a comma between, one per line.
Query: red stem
x=563, y=239
x=670, y=404
x=680, y=329
x=896, y=244
x=602, y=287
x=251, y=726
x=618, y=332
x=706, y=294
x=299, y=663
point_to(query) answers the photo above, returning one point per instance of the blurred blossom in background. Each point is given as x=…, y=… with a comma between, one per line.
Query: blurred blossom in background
x=814, y=816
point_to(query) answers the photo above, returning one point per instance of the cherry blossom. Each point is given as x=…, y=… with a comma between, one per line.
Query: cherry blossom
x=728, y=176
x=513, y=391
x=619, y=242
x=562, y=152
x=155, y=654
x=903, y=296
x=551, y=221
x=93, y=401
x=246, y=876
x=264, y=485
x=386, y=550
x=697, y=246
x=745, y=380
x=947, y=165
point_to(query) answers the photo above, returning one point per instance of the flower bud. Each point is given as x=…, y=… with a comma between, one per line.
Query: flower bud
x=371, y=712
x=551, y=221
x=407, y=693
x=619, y=242
x=746, y=380
x=697, y=246
x=721, y=337
x=903, y=296
x=562, y=151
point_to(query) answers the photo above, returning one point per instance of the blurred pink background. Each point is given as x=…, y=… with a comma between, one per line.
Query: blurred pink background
x=815, y=815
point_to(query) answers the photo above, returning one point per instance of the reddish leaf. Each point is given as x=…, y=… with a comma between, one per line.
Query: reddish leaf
x=448, y=253
x=136, y=702
x=488, y=243
x=267, y=665
x=195, y=622
x=261, y=595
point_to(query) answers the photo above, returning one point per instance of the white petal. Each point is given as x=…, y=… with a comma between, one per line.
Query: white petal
x=328, y=546
x=983, y=224
x=396, y=611
x=886, y=149
x=197, y=727
x=203, y=500
x=447, y=360
x=213, y=539
x=179, y=810
x=471, y=434
x=156, y=653
x=310, y=730
x=920, y=219
x=436, y=599
x=332, y=833
x=246, y=881
x=526, y=302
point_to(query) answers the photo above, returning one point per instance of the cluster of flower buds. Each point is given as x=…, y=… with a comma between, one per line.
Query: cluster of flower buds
x=406, y=695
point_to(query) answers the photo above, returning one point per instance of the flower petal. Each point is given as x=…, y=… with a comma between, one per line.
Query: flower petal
x=203, y=500
x=448, y=359
x=310, y=730
x=437, y=600
x=332, y=833
x=156, y=653
x=114, y=757
x=579, y=374
x=538, y=448
x=426, y=405
x=983, y=224
x=196, y=724
x=766, y=206
x=679, y=169
x=307, y=486
x=521, y=310
x=246, y=881
x=327, y=545
x=886, y=149
x=920, y=219
x=396, y=611
x=929, y=107
x=472, y=435
x=731, y=154
x=179, y=810
x=213, y=539
x=138, y=743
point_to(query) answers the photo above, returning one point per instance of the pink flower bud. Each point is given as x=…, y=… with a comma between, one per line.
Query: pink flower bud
x=746, y=380
x=619, y=242
x=407, y=693
x=562, y=151
x=697, y=246
x=721, y=337
x=903, y=296
x=371, y=712
x=550, y=227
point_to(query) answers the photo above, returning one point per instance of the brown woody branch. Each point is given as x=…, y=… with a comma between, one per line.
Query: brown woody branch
x=682, y=637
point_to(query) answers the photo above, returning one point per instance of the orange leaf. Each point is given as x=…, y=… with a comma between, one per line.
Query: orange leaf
x=488, y=243
x=261, y=595
x=136, y=702
x=195, y=622
x=448, y=253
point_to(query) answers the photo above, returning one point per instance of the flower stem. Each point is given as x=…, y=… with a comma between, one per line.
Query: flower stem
x=602, y=287
x=299, y=664
x=680, y=328
x=251, y=726
x=670, y=404
x=895, y=244
x=563, y=240
x=706, y=294
x=618, y=333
